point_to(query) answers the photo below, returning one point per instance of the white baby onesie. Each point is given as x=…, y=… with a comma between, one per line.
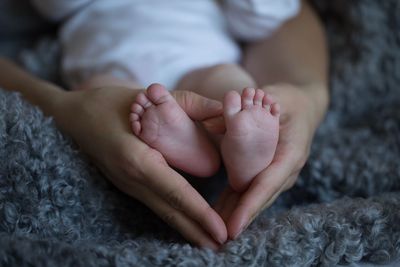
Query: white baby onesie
x=156, y=40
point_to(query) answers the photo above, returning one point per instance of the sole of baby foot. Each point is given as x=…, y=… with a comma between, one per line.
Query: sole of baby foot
x=158, y=120
x=252, y=131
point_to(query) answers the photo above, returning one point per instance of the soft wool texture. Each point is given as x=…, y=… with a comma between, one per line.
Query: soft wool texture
x=56, y=209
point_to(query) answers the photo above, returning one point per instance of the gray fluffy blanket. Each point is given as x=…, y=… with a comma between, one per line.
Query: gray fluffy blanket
x=56, y=209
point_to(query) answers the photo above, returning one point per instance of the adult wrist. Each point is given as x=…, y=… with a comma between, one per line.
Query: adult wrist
x=46, y=96
x=318, y=93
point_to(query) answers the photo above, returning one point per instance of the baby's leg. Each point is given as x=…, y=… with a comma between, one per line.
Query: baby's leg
x=252, y=120
x=213, y=82
x=106, y=80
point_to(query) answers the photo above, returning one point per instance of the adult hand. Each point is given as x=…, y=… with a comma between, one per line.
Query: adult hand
x=301, y=111
x=97, y=119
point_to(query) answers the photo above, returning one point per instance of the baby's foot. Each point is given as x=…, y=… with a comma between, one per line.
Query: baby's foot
x=252, y=127
x=158, y=120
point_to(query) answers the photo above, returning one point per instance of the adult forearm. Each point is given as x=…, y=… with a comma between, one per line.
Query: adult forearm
x=295, y=54
x=36, y=91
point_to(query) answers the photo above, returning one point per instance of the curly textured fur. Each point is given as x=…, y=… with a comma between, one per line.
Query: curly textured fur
x=57, y=210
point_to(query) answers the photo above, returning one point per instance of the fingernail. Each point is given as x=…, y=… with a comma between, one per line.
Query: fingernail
x=219, y=239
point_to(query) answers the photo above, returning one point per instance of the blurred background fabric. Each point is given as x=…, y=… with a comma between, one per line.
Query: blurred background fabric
x=27, y=37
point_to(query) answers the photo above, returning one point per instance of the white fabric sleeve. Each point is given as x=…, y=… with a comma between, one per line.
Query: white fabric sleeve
x=57, y=10
x=250, y=20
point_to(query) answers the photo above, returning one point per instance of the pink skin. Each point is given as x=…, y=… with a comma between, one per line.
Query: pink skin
x=252, y=130
x=158, y=120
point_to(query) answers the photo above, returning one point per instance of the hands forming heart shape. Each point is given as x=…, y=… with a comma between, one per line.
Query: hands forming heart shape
x=137, y=164
x=97, y=120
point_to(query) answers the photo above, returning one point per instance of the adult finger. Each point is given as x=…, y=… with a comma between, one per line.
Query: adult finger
x=197, y=107
x=264, y=189
x=215, y=125
x=229, y=199
x=188, y=228
x=178, y=193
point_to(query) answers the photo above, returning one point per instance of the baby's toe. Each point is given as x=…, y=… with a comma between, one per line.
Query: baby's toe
x=267, y=101
x=158, y=94
x=134, y=117
x=248, y=98
x=258, y=97
x=137, y=109
x=136, y=127
x=143, y=100
x=275, y=109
